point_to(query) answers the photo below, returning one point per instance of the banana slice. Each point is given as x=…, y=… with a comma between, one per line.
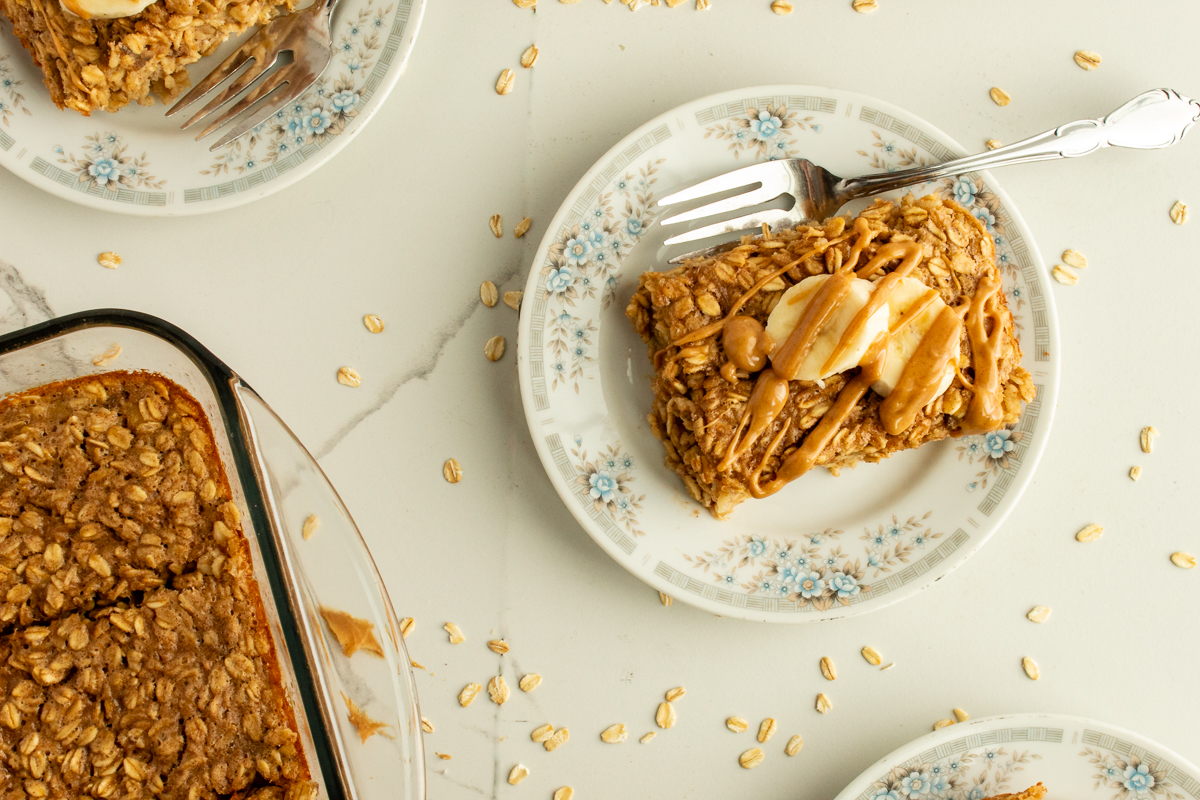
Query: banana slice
x=790, y=308
x=903, y=344
x=104, y=9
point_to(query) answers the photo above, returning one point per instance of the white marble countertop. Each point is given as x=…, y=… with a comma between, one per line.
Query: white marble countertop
x=397, y=226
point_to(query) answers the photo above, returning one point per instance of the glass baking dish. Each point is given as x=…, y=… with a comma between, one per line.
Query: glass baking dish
x=277, y=485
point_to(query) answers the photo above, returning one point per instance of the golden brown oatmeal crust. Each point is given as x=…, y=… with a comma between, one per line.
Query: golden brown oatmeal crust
x=136, y=661
x=695, y=410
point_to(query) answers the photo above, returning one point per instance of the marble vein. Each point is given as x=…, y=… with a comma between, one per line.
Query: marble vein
x=419, y=371
x=27, y=303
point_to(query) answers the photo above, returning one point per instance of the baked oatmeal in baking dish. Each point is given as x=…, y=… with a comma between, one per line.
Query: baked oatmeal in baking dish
x=135, y=656
x=828, y=345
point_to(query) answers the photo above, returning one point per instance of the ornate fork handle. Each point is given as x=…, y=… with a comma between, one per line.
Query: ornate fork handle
x=1154, y=119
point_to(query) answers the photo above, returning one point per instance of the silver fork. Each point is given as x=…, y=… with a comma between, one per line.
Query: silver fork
x=1154, y=119
x=305, y=34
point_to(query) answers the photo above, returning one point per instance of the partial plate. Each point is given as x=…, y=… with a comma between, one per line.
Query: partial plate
x=1072, y=757
x=138, y=162
x=889, y=529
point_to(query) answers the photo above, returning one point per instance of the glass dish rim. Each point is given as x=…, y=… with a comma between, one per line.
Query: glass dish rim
x=222, y=381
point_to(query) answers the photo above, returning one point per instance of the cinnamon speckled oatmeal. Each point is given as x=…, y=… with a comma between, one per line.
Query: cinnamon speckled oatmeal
x=135, y=660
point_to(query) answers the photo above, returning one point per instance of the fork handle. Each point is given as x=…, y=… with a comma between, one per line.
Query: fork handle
x=1154, y=119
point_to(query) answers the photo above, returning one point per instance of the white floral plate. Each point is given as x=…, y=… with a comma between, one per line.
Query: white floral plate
x=138, y=162
x=871, y=537
x=1072, y=757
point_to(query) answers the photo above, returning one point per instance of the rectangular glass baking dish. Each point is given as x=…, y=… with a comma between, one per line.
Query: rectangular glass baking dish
x=276, y=484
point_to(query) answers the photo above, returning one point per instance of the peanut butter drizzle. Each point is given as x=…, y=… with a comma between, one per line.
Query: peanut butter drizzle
x=746, y=343
x=985, y=411
x=922, y=375
x=762, y=409
x=825, y=301
x=805, y=456
x=714, y=327
x=910, y=255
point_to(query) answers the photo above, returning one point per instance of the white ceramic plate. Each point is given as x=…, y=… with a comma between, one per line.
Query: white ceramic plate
x=1072, y=757
x=138, y=162
x=888, y=530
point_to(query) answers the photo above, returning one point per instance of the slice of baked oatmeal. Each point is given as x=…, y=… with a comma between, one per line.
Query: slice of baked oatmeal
x=892, y=330
x=90, y=64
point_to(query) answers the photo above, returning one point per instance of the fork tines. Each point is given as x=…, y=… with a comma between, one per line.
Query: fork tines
x=770, y=179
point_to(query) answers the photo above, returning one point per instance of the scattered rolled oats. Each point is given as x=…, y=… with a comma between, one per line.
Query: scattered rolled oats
x=782, y=7
x=1087, y=60
x=1074, y=258
x=961, y=715
x=942, y=723
x=488, y=294
x=652, y=734
x=426, y=725
x=468, y=694
x=530, y=682
x=452, y=471
x=614, y=734
x=1183, y=560
x=498, y=646
x=751, y=758
x=737, y=724
x=498, y=690
x=494, y=349
x=872, y=656
x=992, y=144
x=557, y=740
x=999, y=96
x=513, y=300
x=823, y=704
x=517, y=774
x=1038, y=614
x=406, y=627
x=529, y=57
x=108, y=356
x=1090, y=533
x=675, y=694
x=456, y=634
x=494, y=223
x=348, y=376
x=1135, y=472
x=309, y=528
x=109, y=260
x=1179, y=212
x=373, y=323
x=1031, y=668
x=564, y=793
x=827, y=669
x=522, y=227
x=1064, y=275
x=1147, y=438
x=865, y=6
x=766, y=730
x=542, y=733
x=504, y=84
x=525, y=3
x=794, y=745
x=665, y=717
